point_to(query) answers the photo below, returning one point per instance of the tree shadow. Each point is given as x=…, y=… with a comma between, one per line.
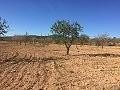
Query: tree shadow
x=99, y=55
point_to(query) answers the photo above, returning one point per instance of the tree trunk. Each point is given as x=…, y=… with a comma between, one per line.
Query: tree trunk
x=68, y=49
x=68, y=45
x=25, y=43
x=20, y=42
x=102, y=46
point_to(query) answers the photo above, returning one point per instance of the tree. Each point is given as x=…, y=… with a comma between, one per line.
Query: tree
x=102, y=39
x=3, y=26
x=84, y=39
x=66, y=32
x=26, y=38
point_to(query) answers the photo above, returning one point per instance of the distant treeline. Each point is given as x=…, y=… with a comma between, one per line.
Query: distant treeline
x=83, y=39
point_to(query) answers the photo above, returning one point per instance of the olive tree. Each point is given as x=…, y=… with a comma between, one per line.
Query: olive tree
x=102, y=39
x=84, y=39
x=66, y=32
x=26, y=38
x=3, y=26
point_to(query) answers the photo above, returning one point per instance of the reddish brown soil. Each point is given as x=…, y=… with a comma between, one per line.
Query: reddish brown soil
x=49, y=68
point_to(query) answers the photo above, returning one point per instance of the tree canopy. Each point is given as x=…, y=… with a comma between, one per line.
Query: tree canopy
x=66, y=32
x=3, y=26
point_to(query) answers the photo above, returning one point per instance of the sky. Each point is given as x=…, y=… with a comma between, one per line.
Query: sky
x=37, y=16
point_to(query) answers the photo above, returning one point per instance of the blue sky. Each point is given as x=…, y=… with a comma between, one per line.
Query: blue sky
x=37, y=16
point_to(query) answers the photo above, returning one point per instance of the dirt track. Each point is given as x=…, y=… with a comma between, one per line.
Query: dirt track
x=48, y=68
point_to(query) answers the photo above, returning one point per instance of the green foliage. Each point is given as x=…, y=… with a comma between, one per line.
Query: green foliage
x=3, y=26
x=66, y=32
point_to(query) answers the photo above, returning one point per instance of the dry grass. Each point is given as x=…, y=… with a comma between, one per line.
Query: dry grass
x=48, y=68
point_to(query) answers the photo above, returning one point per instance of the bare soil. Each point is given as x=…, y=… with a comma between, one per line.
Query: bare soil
x=49, y=68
